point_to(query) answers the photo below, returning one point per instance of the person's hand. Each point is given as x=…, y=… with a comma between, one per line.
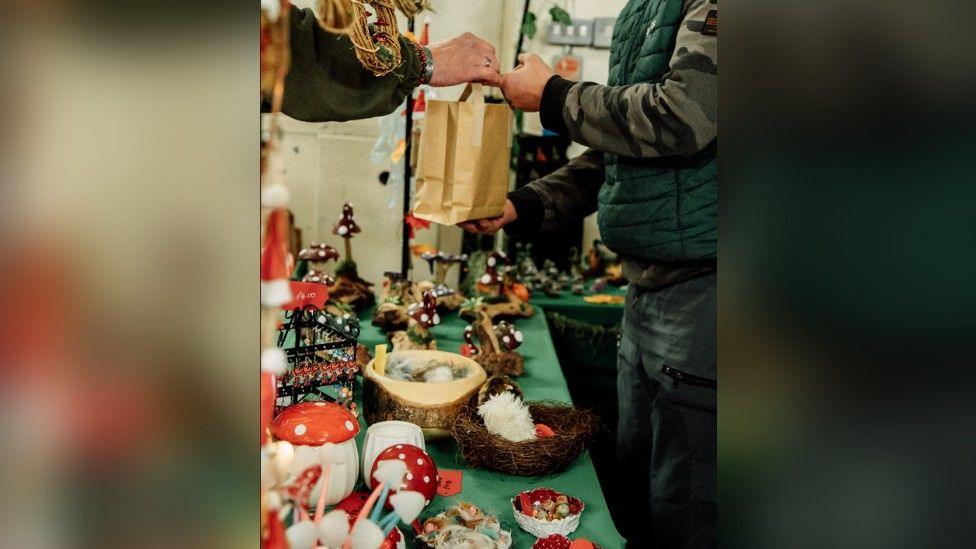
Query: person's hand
x=523, y=86
x=462, y=59
x=491, y=225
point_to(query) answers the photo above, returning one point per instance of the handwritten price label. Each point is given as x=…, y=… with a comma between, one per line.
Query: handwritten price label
x=450, y=482
x=305, y=294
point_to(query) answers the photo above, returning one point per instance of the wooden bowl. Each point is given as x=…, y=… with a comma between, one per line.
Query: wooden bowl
x=431, y=406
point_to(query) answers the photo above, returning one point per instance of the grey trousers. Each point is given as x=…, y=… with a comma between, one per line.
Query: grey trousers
x=666, y=383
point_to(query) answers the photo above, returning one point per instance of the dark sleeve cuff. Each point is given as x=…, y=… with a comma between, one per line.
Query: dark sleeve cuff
x=552, y=104
x=530, y=210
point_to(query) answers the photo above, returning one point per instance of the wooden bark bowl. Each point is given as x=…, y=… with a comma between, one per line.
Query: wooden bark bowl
x=432, y=406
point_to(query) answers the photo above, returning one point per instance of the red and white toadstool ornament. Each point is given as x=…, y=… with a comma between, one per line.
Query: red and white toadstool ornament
x=494, y=270
x=425, y=312
x=346, y=227
x=470, y=348
x=421, y=471
x=318, y=255
x=320, y=277
x=509, y=337
x=309, y=425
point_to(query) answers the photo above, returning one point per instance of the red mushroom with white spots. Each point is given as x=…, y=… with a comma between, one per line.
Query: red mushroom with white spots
x=470, y=348
x=425, y=312
x=421, y=473
x=346, y=228
x=319, y=277
x=310, y=425
x=494, y=272
x=318, y=255
x=509, y=337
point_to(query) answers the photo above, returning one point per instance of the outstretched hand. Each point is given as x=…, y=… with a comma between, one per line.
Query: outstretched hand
x=462, y=59
x=493, y=224
x=523, y=86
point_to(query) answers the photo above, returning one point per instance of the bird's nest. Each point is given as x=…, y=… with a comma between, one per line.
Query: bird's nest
x=574, y=429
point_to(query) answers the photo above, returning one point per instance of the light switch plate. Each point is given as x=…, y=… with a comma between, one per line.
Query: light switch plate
x=580, y=33
x=603, y=31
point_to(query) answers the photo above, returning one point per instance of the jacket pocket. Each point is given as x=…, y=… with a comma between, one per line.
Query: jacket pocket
x=683, y=377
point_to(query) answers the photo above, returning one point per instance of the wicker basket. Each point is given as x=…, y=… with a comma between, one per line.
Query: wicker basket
x=574, y=429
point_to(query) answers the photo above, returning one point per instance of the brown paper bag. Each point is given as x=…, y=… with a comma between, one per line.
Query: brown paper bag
x=462, y=172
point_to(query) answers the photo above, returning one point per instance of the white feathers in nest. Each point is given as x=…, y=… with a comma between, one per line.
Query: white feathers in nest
x=507, y=416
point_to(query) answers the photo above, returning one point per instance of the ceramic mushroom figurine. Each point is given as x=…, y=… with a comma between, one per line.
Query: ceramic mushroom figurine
x=501, y=296
x=470, y=348
x=396, y=295
x=308, y=426
x=346, y=227
x=320, y=277
x=498, y=343
x=493, y=281
x=448, y=299
x=423, y=316
x=318, y=255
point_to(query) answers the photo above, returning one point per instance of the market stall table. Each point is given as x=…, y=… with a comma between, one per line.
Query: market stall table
x=573, y=306
x=491, y=490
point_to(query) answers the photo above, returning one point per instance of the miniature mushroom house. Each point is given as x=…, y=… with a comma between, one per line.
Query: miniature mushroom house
x=346, y=228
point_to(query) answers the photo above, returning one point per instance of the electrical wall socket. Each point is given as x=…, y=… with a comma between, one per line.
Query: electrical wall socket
x=603, y=31
x=580, y=33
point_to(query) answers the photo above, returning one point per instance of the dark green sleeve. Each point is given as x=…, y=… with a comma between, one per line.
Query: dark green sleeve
x=327, y=83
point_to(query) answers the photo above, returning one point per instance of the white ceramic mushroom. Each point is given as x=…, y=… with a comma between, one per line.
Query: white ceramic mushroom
x=382, y=435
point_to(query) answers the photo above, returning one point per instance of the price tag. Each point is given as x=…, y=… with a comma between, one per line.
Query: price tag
x=305, y=294
x=449, y=483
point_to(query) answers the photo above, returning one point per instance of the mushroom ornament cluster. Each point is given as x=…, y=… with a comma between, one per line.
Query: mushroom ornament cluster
x=440, y=263
x=422, y=317
x=496, y=347
x=500, y=296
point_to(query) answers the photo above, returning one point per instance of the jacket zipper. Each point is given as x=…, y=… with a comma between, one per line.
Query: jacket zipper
x=683, y=377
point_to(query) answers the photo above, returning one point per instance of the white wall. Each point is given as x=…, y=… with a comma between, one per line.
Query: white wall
x=327, y=163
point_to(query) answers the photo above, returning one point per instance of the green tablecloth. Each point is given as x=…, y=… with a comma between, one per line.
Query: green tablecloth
x=573, y=306
x=492, y=491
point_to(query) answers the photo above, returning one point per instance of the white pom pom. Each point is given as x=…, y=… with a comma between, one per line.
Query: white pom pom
x=343, y=229
x=331, y=454
x=302, y=535
x=437, y=318
x=274, y=361
x=507, y=416
x=390, y=472
x=485, y=278
x=271, y=8
x=491, y=262
x=366, y=535
x=518, y=336
x=334, y=529
x=275, y=293
x=407, y=505
x=275, y=196
x=282, y=456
